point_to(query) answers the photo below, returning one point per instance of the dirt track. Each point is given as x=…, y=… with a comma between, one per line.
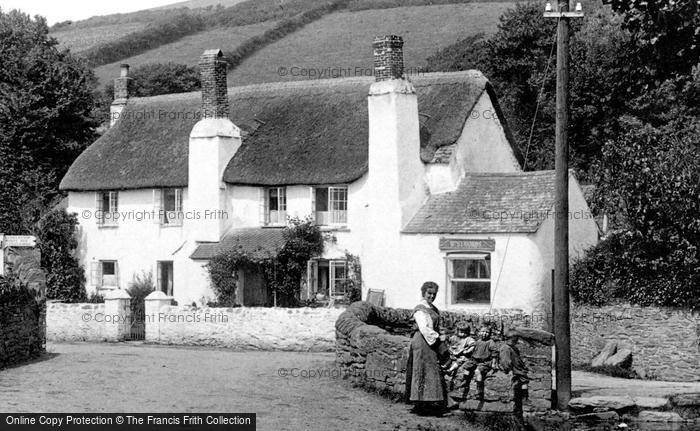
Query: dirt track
x=142, y=378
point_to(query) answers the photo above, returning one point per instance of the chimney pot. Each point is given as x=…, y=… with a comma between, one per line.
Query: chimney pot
x=124, y=70
x=212, y=66
x=388, y=57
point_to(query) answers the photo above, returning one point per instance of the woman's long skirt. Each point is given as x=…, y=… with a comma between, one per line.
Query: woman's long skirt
x=424, y=379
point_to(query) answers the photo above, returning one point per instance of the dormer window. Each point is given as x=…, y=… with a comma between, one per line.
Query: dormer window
x=276, y=206
x=331, y=205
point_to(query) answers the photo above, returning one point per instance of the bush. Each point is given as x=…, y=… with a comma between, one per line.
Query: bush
x=651, y=182
x=283, y=272
x=65, y=278
x=141, y=286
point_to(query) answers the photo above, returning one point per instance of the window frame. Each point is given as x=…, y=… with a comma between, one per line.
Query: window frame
x=112, y=203
x=101, y=274
x=333, y=279
x=281, y=219
x=335, y=217
x=450, y=258
x=163, y=212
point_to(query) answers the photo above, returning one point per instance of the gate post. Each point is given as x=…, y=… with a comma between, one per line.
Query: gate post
x=154, y=302
x=117, y=315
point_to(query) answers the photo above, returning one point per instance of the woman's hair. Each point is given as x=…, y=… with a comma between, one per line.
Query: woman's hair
x=427, y=285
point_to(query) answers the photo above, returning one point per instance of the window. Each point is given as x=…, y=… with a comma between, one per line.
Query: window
x=165, y=277
x=331, y=206
x=338, y=277
x=469, y=279
x=276, y=206
x=170, y=207
x=104, y=274
x=326, y=278
x=106, y=208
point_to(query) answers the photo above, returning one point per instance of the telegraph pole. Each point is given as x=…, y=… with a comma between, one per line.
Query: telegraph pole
x=560, y=291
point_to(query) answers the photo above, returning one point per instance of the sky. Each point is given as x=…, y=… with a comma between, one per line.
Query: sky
x=74, y=10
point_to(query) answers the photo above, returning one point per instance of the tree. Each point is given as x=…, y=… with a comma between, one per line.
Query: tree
x=666, y=37
x=151, y=80
x=65, y=278
x=160, y=78
x=46, y=104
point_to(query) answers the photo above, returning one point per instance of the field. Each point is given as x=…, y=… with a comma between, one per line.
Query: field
x=343, y=40
x=188, y=49
x=198, y=3
x=82, y=38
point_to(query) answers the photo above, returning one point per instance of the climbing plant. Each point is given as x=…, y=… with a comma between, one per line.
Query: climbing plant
x=282, y=271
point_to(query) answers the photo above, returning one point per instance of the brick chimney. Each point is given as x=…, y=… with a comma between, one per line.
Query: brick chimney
x=388, y=57
x=395, y=177
x=212, y=66
x=214, y=140
x=122, y=87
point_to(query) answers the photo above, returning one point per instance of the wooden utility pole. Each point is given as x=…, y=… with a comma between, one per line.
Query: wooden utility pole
x=560, y=292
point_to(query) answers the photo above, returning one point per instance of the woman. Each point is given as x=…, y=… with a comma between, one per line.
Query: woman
x=425, y=384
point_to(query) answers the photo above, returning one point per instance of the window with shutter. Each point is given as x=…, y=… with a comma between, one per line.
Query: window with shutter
x=94, y=278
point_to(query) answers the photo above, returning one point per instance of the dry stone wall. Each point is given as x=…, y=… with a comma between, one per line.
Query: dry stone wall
x=372, y=345
x=664, y=342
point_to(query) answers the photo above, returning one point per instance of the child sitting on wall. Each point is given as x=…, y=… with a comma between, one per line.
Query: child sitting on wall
x=459, y=375
x=512, y=362
x=486, y=357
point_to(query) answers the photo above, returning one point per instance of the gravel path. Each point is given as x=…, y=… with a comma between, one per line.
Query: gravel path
x=145, y=378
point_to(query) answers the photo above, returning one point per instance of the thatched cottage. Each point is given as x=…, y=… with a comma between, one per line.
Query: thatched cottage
x=420, y=178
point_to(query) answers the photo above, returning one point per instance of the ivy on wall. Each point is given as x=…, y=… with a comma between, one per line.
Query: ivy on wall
x=283, y=272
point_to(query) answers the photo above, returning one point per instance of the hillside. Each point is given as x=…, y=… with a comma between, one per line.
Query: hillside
x=339, y=40
x=188, y=49
x=343, y=40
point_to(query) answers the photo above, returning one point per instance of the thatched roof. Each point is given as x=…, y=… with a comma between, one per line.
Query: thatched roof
x=489, y=203
x=304, y=132
x=258, y=242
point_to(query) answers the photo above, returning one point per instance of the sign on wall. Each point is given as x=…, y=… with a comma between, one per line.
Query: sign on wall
x=7, y=241
x=458, y=244
x=18, y=241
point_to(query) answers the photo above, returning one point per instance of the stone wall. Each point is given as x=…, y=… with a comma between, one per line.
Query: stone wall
x=664, y=342
x=75, y=322
x=372, y=346
x=295, y=329
x=22, y=327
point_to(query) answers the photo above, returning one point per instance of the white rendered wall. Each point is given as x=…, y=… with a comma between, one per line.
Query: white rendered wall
x=483, y=145
x=137, y=243
x=419, y=259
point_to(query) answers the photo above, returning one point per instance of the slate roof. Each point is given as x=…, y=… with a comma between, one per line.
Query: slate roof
x=303, y=132
x=489, y=203
x=257, y=242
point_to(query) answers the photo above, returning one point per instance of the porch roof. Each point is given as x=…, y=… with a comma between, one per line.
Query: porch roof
x=257, y=242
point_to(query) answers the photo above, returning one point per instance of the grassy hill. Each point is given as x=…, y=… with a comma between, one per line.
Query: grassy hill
x=339, y=40
x=343, y=40
x=80, y=39
x=188, y=49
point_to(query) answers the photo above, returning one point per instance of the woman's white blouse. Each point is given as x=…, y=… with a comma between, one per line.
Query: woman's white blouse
x=425, y=325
